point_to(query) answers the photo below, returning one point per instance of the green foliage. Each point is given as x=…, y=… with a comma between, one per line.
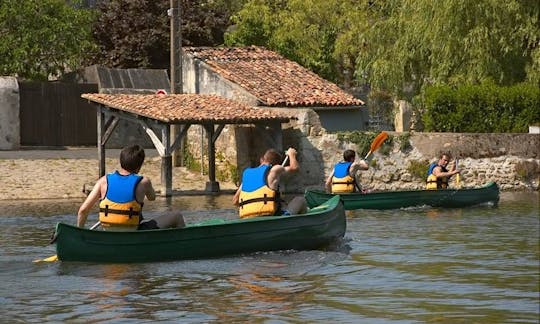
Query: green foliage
x=412, y=42
x=323, y=36
x=189, y=160
x=363, y=141
x=404, y=142
x=43, y=38
x=418, y=169
x=527, y=170
x=485, y=108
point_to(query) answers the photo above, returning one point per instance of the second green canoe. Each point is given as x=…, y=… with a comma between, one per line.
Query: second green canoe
x=451, y=198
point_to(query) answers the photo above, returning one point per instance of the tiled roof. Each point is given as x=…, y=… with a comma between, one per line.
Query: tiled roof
x=273, y=79
x=187, y=108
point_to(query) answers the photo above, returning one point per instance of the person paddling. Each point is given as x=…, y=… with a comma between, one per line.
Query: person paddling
x=121, y=197
x=343, y=178
x=258, y=194
x=437, y=175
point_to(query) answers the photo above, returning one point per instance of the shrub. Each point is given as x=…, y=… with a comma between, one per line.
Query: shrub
x=526, y=170
x=418, y=169
x=486, y=107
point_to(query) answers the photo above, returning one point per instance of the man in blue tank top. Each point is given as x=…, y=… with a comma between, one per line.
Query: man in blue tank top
x=258, y=194
x=342, y=178
x=121, y=197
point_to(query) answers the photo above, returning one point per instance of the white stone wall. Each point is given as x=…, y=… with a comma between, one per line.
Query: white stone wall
x=9, y=114
x=483, y=157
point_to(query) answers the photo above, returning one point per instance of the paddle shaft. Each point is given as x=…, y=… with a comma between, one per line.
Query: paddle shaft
x=458, y=178
x=53, y=258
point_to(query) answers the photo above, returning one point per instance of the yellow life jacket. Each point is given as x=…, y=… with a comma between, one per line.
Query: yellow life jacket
x=434, y=183
x=342, y=182
x=256, y=198
x=120, y=210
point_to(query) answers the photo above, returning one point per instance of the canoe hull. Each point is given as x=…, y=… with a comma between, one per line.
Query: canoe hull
x=313, y=230
x=448, y=198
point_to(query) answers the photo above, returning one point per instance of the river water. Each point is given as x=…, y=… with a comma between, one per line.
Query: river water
x=473, y=265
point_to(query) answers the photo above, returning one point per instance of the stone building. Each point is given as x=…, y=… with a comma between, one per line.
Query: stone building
x=262, y=78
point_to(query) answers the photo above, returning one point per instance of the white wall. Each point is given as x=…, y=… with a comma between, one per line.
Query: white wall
x=10, y=138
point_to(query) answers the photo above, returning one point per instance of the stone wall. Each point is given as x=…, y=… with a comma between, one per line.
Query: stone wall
x=9, y=114
x=511, y=160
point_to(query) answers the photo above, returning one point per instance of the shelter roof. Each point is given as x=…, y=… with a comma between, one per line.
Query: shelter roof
x=188, y=108
x=273, y=79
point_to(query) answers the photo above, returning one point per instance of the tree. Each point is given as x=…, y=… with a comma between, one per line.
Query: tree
x=324, y=36
x=136, y=33
x=43, y=38
x=417, y=42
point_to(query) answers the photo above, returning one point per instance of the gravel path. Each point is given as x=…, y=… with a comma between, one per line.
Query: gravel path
x=57, y=174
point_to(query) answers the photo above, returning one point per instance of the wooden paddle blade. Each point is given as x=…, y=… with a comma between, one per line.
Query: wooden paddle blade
x=378, y=141
x=49, y=259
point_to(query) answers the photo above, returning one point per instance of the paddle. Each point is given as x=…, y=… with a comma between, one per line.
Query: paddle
x=377, y=142
x=53, y=258
x=285, y=160
x=458, y=178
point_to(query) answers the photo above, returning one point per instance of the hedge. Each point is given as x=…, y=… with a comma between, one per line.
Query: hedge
x=484, y=108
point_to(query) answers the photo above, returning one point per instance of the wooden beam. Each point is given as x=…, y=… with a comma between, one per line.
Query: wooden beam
x=110, y=125
x=166, y=161
x=212, y=185
x=160, y=147
x=100, y=143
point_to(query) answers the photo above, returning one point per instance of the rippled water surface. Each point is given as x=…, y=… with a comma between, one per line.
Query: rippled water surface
x=474, y=265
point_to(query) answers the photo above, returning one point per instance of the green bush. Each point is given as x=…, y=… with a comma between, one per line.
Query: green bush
x=418, y=169
x=527, y=170
x=484, y=108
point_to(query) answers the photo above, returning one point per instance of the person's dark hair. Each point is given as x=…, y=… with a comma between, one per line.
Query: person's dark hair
x=132, y=158
x=273, y=157
x=349, y=155
x=447, y=154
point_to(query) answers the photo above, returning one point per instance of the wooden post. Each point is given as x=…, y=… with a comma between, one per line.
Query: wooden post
x=166, y=161
x=212, y=185
x=100, y=141
x=175, y=12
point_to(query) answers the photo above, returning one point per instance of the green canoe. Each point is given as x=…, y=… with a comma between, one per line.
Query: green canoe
x=212, y=238
x=410, y=198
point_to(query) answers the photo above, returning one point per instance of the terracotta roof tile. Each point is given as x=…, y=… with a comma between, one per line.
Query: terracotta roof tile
x=274, y=80
x=187, y=108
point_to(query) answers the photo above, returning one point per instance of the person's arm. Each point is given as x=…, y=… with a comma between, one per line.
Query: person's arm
x=236, y=197
x=277, y=171
x=147, y=188
x=328, y=184
x=359, y=165
x=439, y=174
x=293, y=162
x=89, y=202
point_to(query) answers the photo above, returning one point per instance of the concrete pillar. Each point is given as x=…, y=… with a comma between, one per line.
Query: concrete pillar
x=402, y=121
x=10, y=127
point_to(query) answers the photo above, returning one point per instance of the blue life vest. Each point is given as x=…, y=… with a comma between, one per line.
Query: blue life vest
x=342, y=181
x=120, y=210
x=256, y=198
x=432, y=182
